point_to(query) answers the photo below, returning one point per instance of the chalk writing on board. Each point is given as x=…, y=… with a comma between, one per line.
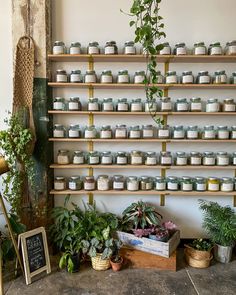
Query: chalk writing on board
x=35, y=251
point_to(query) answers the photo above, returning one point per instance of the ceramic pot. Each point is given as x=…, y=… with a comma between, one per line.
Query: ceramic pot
x=223, y=254
x=116, y=266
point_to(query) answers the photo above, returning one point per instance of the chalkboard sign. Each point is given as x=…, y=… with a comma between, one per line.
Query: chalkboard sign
x=35, y=253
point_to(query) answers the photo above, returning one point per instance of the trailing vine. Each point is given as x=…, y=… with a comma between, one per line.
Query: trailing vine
x=148, y=29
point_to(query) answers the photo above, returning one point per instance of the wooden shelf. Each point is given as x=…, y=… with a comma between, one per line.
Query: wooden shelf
x=142, y=58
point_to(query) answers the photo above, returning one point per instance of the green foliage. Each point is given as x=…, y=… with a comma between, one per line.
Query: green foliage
x=219, y=222
x=14, y=143
x=201, y=245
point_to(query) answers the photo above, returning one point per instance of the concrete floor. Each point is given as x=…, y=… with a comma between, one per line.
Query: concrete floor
x=217, y=279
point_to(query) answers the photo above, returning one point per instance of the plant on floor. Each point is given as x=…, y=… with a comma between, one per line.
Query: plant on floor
x=201, y=245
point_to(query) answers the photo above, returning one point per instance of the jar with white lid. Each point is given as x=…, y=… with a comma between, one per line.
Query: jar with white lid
x=212, y=105
x=233, y=132
x=134, y=132
x=181, y=159
x=230, y=48
x=59, y=131
x=200, y=184
x=129, y=48
x=93, y=158
x=195, y=159
x=76, y=77
x=192, y=132
x=106, y=132
x=213, y=184
x=107, y=105
x=74, y=104
x=110, y=48
x=150, y=158
x=228, y=105
x=75, y=183
x=195, y=104
x=122, y=105
x=180, y=49
x=139, y=77
x=234, y=158
x=90, y=77
x=227, y=184
x=148, y=131
x=59, y=104
x=75, y=48
x=93, y=105
x=208, y=159
x=59, y=47
x=103, y=183
x=90, y=132
x=186, y=184
x=150, y=105
x=233, y=78
x=165, y=158
x=166, y=49
x=61, y=76
x=172, y=183
x=63, y=157
x=171, y=77
x=187, y=77
x=222, y=159
x=74, y=131
x=106, y=158
x=78, y=157
x=118, y=182
x=123, y=77
x=136, y=158
x=165, y=104
x=159, y=78
x=209, y=132
x=215, y=49
x=106, y=77
x=121, y=131
x=146, y=183
x=219, y=77
x=159, y=183
x=163, y=131
x=93, y=48
x=121, y=158
x=199, y=48
x=203, y=77
x=59, y=183
x=222, y=132
x=178, y=132
x=181, y=105
x=132, y=183
x=136, y=105
x=89, y=183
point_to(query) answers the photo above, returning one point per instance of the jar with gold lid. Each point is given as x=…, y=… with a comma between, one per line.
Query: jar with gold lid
x=213, y=184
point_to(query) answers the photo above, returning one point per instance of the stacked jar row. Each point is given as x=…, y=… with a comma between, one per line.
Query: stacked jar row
x=146, y=183
x=123, y=77
x=147, y=158
x=195, y=104
x=129, y=48
x=145, y=131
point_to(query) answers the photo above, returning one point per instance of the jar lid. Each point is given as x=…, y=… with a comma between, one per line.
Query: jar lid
x=75, y=44
x=181, y=44
x=108, y=99
x=58, y=125
x=222, y=127
x=227, y=179
x=234, y=74
x=209, y=127
x=106, y=126
x=123, y=72
x=165, y=98
x=145, y=177
x=213, y=178
x=165, y=44
x=211, y=100
x=180, y=154
x=201, y=43
x=93, y=152
x=90, y=72
x=74, y=98
x=159, y=178
x=93, y=43
x=78, y=152
x=142, y=73
x=135, y=127
x=75, y=71
x=137, y=100
x=121, y=153
x=76, y=177
x=74, y=126
x=151, y=153
x=118, y=176
x=200, y=178
x=172, y=178
x=106, y=72
x=103, y=176
x=122, y=100
x=110, y=42
x=208, y=153
x=120, y=126
x=178, y=127
x=220, y=72
x=193, y=127
x=129, y=43
x=170, y=73
x=215, y=44
x=148, y=126
x=60, y=71
x=136, y=152
x=92, y=99
x=63, y=151
x=233, y=42
x=132, y=177
x=181, y=100
x=187, y=73
x=194, y=99
x=89, y=177
x=56, y=43
x=229, y=100
x=59, y=178
x=203, y=72
x=186, y=178
x=195, y=153
x=58, y=98
x=165, y=153
x=107, y=153
x=222, y=153
x=163, y=127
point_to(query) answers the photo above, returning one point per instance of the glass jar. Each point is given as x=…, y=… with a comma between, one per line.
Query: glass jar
x=118, y=183
x=146, y=183
x=110, y=48
x=180, y=49
x=166, y=105
x=195, y=104
x=129, y=48
x=132, y=183
x=148, y=131
x=90, y=77
x=61, y=76
x=123, y=77
x=234, y=158
x=59, y=183
x=93, y=105
x=121, y=131
x=200, y=184
x=93, y=158
x=107, y=105
x=230, y=48
x=90, y=132
x=212, y=105
x=106, y=77
x=74, y=131
x=166, y=49
x=178, y=132
x=233, y=78
x=106, y=132
x=199, y=48
x=181, y=105
x=228, y=105
x=93, y=48
x=150, y=159
x=122, y=105
x=106, y=158
x=213, y=184
x=165, y=158
x=78, y=158
x=159, y=78
x=139, y=77
x=172, y=183
x=208, y=159
x=150, y=105
x=220, y=77
x=76, y=77
x=222, y=159
x=208, y=132
x=215, y=49
x=59, y=104
x=134, y=132
x=187, y=77
x=233, y=132
x=89, y=183
x=75, y=183
x=171, y=77
x=59, y=131
x=227, y=184
x=163, y=131
x=59, y=47
x=181, y=159
x=75, y=48
x=103, y=183
x=186, y=184
x=136, y=105
x=63, y=157
x=203, y=78
x=159, y=183
x=222, y=132
x=74, y=104
x=192, y=132
x=195, y=159
x=121, y=158
x=136, y=158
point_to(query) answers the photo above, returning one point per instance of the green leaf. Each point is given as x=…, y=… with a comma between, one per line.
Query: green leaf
x=131, y=23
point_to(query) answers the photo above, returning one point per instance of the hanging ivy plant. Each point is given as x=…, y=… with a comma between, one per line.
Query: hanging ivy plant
x=148, y=30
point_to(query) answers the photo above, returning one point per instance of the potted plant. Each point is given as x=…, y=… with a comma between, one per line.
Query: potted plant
x=220, y=224
x=116, y=259
x=71, y=256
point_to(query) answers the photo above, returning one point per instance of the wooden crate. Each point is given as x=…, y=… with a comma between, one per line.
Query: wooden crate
x=150, y=246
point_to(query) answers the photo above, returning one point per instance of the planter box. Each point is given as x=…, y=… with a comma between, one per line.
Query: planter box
x=164, y=249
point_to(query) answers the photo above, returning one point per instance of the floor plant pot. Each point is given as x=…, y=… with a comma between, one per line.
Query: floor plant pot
x=100, y=264
x=197, y=263
x=76, y=261
x=116, y=266
x=197, y=254
x=223, y=254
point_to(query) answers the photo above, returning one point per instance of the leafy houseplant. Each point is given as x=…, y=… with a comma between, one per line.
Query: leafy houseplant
x=116, y=259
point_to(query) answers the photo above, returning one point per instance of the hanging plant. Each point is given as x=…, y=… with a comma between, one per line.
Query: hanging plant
x=148, y=30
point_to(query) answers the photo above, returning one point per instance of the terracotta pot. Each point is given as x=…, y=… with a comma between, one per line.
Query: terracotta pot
x=116, y=266
x=3, y=165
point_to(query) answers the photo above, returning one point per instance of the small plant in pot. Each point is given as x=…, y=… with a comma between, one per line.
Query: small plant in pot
x=160, y=234
x=116, y=259
x=71, y=257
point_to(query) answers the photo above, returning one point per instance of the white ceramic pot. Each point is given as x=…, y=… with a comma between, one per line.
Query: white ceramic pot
x=223, y=254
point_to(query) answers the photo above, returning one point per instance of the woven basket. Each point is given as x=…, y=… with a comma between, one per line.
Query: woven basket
x=100, y=264
x=198, y=263
x=196, y=254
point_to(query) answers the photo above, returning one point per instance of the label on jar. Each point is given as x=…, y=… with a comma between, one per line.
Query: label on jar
x=204, y=79
x=72, y=185
x=160, y=186
x=178, y=134
x=89, y=134
x=196, y=106
x=136, y=107
x=200, y=50
x=172, y=186
x=58, y=133
x=223, y=134
x=209, y=161
x=166, y=106
x=106, y=160
x=61, y=78
x=165, y=50
x=151, y=161
x=213, y=186
x=58, y=105
x=118, y=185
x=138, y=79
x=234, y=160
x=181, y=161
x=212, y=107
x=134, y=134
x=88, y=186
x=74, y=50
x=123, y=79
x=78, y=160
x=227, y=187
x=223, y=79
x=132, y=186
x=148, y=133
x=109, y=50
x=192, y=134
x=229, y=107
x=93, y=50
x=200, y=186
x=73, y=133
x=182, y=106
x=130, y=50
x=180, y=50
x=106, y=134
x=120, y=133
x=209, y=134
x=163, y=133
x=187, y=186
x=233, y=134
x=166, y=160
x=59, y=185
x=135, y=160
x=94, y=160
x=187, y=79
x=90, y=79
x=222, y=161
x=75, y=78
x=122, y=160
x=232, y=49
x=106, y=79
x=195, y=161
x=73, y=106
x=58, y=49
x=171, y=79
x=216, y=50
x=93, y=106
x=122, y=107
x=107, y=106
